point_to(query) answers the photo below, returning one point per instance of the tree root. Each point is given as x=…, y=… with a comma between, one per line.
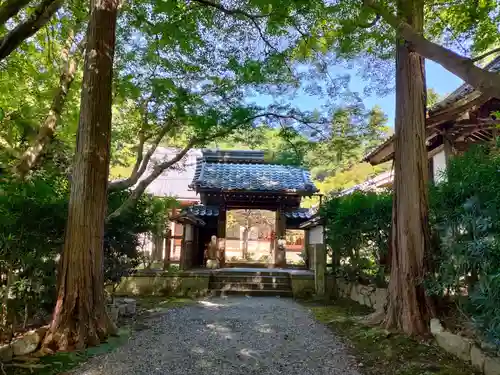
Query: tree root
x=374, y=319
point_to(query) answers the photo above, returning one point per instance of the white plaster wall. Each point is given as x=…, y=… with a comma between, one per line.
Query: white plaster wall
x=439, y=166
x=316, y=235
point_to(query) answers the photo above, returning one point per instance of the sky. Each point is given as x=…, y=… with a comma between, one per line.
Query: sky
x=439, y=79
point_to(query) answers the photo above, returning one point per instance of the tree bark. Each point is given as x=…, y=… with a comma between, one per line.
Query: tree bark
x=70, y=64
x=481, y=79
x=408, y=307
x=42, y=14
x=10, y=8
x=80, y=317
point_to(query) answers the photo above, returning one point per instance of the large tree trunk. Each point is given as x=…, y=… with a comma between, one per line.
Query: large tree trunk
x=408, y=307
x=80, y=317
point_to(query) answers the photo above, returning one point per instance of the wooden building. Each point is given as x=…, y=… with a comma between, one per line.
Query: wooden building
x=463, y=118
x=231, y=182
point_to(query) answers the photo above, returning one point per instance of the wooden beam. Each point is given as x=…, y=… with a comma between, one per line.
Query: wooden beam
x=221, y=235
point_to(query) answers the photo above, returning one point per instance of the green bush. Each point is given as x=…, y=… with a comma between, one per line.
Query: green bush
x=32, y=222
x=357, y=233
x=465, y=212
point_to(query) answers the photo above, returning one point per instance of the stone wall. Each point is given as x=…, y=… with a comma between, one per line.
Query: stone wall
x=465, y=349
x=182, y=284
x=367, y=295
x=462, y=347
x=302, y=286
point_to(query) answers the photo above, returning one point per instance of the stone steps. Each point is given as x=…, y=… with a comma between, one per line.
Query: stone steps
x=269, y=283
x=255, y=293
x=249, y=286
x=253, y=279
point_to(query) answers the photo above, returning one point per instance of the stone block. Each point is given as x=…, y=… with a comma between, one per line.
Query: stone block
x=130, y=306
x=6, y=353
x=491, y=365
x=26, y=344
x=113, y=312
x=379, y=298
x=436, y=326
x=477, y=358
x=454, y=344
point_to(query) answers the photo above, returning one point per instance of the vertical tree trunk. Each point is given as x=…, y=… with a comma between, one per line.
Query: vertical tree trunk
x=408, y=307
x=80, y=317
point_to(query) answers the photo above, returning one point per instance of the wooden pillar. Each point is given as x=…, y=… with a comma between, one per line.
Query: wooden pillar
x=449, y=151
x=307, y=251
x=221, y=236
x=168, y=249
x=280, y=241
x=186, y=260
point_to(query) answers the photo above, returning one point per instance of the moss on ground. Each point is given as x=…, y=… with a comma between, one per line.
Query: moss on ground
x=156, y=302
x=60, y=363
x=383, y=352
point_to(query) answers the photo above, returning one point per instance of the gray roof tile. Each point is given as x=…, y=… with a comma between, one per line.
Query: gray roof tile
x=254, y=177
x=202, y=210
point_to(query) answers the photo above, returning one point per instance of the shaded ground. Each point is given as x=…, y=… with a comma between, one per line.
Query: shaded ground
x=238, y=335
x=381, y=352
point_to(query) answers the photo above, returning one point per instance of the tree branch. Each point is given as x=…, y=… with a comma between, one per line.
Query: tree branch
x=197, y=140
x=10, y=8
x=232, y=12
x=42, y=14
x=69, y=67
x=142, y=161
x=485, y=81
x=141, y=186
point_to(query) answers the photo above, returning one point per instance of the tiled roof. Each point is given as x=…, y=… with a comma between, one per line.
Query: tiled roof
x=465, y=89
x=463, y=92
x=300, y=213
x=252, y=177
x=233, y=156
x=201, y=210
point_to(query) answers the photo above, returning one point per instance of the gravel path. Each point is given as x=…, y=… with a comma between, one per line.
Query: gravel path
x=236, y=335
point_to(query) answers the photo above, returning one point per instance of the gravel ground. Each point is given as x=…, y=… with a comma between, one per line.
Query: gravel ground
x=235, y=335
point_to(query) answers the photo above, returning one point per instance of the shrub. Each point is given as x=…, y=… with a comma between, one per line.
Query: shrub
x=465, y=212
x=357, y=232
x=32, y=221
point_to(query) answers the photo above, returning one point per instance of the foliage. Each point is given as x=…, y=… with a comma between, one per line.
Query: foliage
x=32, y=221
x=30, y=241
x=357, y=233
x=464, y=217
x=465, y=212
x=121, y=241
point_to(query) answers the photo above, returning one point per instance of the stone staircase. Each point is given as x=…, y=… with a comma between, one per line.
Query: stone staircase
x=251, y=282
